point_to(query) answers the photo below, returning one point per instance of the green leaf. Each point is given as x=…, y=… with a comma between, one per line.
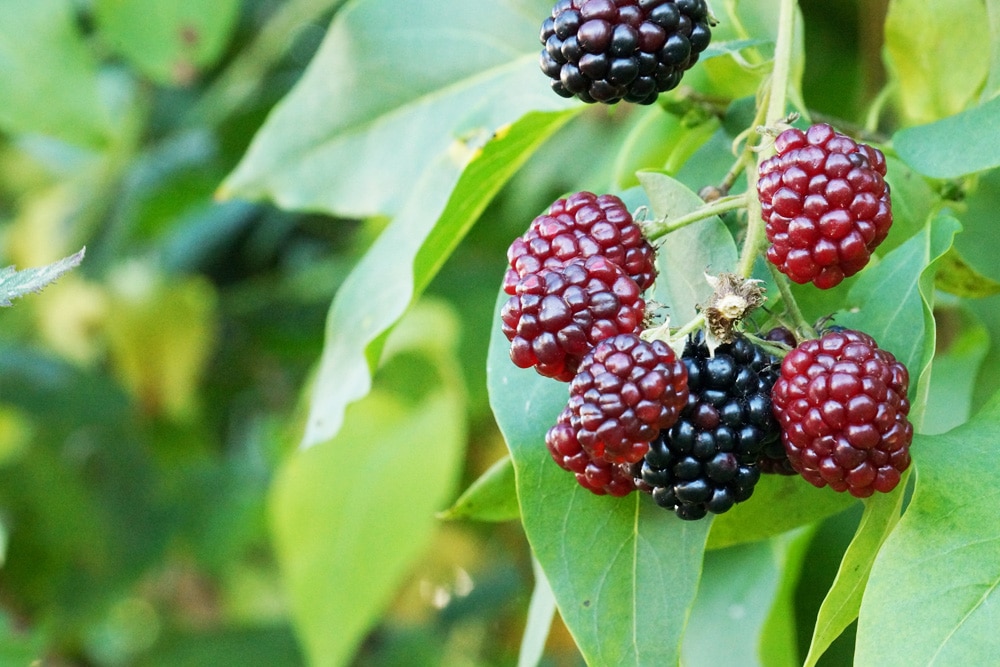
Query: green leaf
x=344, y=544
x=740, y=587
x=964, y=344
x=689, y=252
x=960, y=144
x=168, y=40
x=404, y=258
x=904, y=279
x=979, y=244
x=957, y=277
x=395, y=101
x=778, y=640
x=913, y=203
x=50, y=81
x=778, y=504
x=932, y=50
x=14, y=284
x=624, y=572
x=492, y=497
x=842, y=602
x=933, y=592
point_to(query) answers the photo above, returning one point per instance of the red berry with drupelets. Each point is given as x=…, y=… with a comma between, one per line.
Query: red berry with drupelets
x=825, y=203
x=575, y=228
x=842, y=405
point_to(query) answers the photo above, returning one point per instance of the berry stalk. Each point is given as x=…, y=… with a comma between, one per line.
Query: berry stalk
x=659, y=229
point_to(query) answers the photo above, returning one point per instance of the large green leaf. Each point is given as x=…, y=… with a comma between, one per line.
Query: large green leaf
x=933, y=593
x=979, y=244
x=350, y=516
x=952, y=147
x=936, y=52
x=893, y=302
x=48, y=76
x=624, y=572
x=169, y=40
x=686, y=254
x=993, y=82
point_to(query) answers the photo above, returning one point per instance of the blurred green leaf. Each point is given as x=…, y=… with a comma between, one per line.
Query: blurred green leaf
x=965, y=342
x=688, y=253
x=913, y=203
x=927, y=52
x=624, y=572
x=779, y=504
x=993, y=82
x=492, y=497
x=49, y=82
x=777, y=642
x=541, y=611
x=168, y=40
x=14, y=284
x=956, y=145
x=978, y=243
x=932, y=594
x=268, y=646
x=350, y=516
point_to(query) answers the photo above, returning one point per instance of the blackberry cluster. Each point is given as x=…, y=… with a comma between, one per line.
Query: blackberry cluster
x=710, y=459
x=825, y=203
x=842, y=405
x=577, y=227
x=556, y=316
x=612, y=50
x=625, y=391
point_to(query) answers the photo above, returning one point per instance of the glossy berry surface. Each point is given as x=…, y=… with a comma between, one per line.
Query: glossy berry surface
x=556, y=316
x=596, y=475
x=577, y=227
x=625, y=391
x=709, y=460
x=612, y=50
x=841, y=402
x=825, y=203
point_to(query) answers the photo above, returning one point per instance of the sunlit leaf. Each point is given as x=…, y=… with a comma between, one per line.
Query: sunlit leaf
x=927, y=50
x=933, y=592
x=50, y=83
x=624, y=571
x=492, y=497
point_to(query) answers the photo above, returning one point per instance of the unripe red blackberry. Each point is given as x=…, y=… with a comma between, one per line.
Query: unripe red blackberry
x=577, y=227
x=709, y=459
x=625, y=391
x=842, y=405
x=825, y=203
x=597, y=475
x=612, y=50
x=556, y=316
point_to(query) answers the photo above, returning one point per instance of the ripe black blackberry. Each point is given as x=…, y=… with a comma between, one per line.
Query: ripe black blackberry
x=843, y=408
x=612, y=50
x=626, y=390
x=557, y=316
x=825, y=203
x=710, y=459
x=577, y=227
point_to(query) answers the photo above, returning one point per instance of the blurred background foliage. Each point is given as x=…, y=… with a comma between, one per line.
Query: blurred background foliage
x=151, y=401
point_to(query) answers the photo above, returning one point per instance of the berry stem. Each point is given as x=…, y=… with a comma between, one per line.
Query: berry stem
x=791, y=306
x=659, y=229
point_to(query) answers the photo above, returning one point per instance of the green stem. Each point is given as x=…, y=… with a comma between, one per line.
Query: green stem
x=777, y=98
x=656, y=230
x=791, y=305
